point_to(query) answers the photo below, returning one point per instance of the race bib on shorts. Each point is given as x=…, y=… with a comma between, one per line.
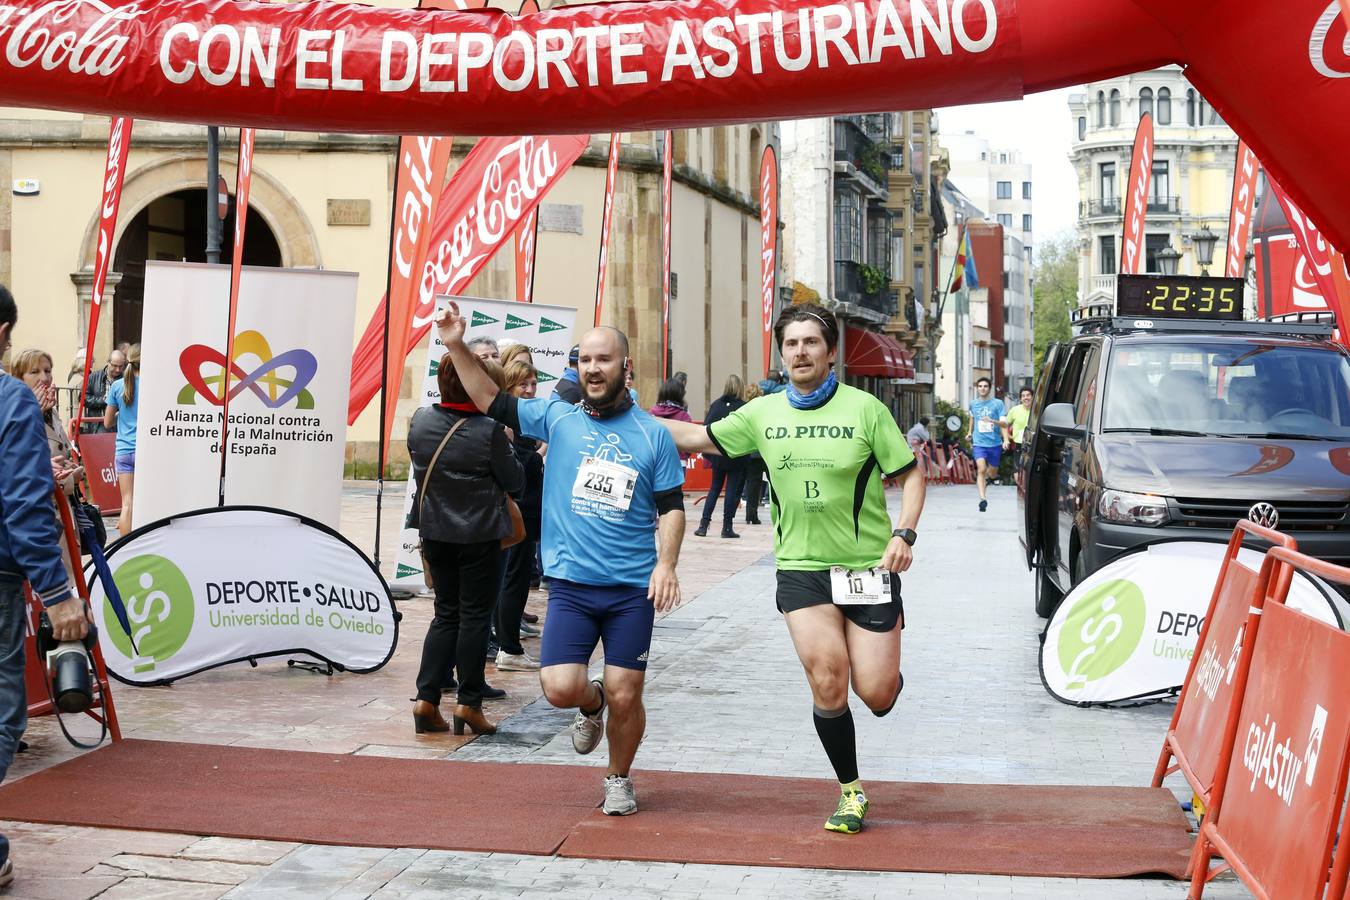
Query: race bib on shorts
x=864, y=587
x=608, y=483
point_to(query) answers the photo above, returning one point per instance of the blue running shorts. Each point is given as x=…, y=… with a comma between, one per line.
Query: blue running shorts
x=582, y=615
x=991, y=455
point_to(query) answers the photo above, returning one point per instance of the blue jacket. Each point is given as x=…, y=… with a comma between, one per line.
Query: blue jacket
x=29, y=537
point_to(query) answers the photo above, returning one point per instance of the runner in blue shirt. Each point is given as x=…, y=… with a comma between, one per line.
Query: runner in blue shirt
x=987, y=433
x=613, y=490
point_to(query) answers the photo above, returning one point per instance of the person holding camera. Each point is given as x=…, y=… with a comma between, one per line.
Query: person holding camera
x=29, y=551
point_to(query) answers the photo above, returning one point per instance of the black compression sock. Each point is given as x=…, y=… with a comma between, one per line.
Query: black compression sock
x=835, y=729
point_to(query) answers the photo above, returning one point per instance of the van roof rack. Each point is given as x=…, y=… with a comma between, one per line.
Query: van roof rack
x=1319, y=331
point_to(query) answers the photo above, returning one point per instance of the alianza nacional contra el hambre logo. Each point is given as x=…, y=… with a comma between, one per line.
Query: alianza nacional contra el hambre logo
x=280, y=383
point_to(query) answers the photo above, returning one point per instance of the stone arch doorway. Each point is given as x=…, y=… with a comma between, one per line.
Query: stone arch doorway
x=173, y=227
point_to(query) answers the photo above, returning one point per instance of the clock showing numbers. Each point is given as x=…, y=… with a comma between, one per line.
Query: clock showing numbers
x=1179, y=297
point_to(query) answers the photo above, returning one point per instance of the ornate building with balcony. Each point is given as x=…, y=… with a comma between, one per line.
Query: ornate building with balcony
x=857, y=199
x=1190, y=182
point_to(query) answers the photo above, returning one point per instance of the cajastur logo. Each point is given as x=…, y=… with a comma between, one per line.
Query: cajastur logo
x=266, y=381
x=1329, y=45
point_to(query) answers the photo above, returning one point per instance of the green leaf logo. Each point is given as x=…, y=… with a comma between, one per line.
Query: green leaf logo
x=516, y=322
x=546, y=325
x=481, y=318
x=1101, y=632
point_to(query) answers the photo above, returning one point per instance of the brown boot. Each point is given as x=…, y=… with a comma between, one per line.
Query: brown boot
x=473, y=718
x=427, y=717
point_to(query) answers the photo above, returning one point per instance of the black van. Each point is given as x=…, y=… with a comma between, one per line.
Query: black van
x=1147, y=429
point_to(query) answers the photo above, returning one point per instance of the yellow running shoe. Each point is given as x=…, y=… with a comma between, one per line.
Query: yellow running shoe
x=848, y=818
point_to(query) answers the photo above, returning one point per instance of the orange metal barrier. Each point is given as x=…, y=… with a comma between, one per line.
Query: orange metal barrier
x=1206, y=712
x=1280, y=782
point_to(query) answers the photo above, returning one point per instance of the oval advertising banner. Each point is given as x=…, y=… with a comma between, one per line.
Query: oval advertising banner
x=1127, y=632
x=225, y=585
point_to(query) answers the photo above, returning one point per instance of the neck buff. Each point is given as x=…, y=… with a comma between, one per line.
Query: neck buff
x=816, y=398
x=621, y=404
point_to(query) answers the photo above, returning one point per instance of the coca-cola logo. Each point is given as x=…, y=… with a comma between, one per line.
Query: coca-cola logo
x=1329, y=44
x=79, y=35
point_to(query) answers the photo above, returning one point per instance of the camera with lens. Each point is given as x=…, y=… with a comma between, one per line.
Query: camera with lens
x=69, y=668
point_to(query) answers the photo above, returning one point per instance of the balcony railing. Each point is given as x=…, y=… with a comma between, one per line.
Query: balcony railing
x=867, y=155
x=1167, y=205
x=1114, y=206
x=849, y=287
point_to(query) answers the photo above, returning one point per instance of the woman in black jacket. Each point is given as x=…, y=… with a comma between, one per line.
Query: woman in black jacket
x=728, y=471
x=521, y=380
x=461, y=522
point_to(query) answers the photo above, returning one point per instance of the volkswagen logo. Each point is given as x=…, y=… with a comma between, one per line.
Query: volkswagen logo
x=1264, y=514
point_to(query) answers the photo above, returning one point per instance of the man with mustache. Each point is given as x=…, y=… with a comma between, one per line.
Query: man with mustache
x=613, y=491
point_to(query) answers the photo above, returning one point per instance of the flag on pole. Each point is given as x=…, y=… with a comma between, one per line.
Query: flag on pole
x=963, y=272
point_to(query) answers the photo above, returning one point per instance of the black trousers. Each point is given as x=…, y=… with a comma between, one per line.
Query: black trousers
x=466, y=586
x=754, y=486
x=733, y=479
x=515, y=591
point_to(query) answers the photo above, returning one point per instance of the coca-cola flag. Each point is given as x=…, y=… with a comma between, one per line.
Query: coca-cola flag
x=242, y=189
x=606, y=218
x=527, y=237
x=768, y=244
x=1136, y=198
x=667, y=166
x=1240, y=210
x=1325, y=264
x=1284, y=279
x=114, y=172
x=499, y=183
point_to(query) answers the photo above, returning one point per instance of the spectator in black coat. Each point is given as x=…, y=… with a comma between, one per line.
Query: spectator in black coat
x=728, y=472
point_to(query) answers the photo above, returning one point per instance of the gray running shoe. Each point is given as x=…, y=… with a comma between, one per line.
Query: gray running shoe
x=620, y=799
x=587, y=730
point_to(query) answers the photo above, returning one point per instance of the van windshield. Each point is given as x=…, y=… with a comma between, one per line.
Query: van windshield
x=1228, y=389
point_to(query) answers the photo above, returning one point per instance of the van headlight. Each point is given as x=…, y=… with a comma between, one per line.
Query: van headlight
x=1125, y=508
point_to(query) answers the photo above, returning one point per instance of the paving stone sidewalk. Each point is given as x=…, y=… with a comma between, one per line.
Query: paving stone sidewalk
x=725, y=694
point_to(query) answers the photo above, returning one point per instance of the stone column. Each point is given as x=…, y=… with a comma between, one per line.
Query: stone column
x=84, y=291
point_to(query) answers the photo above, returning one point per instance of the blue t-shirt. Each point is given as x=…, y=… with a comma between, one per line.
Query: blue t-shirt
x=126, y=417
x=585, y=540
x=986, y=415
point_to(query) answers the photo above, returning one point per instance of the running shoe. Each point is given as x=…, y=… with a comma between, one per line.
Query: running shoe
x=848, y=818
x=620, y=799
x=516, y=662
x=984, y=504
x=528, y=630
x=7, y=870
x=587, y=730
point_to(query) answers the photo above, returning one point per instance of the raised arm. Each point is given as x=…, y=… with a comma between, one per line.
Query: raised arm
x=480, y=387
x=690, y=437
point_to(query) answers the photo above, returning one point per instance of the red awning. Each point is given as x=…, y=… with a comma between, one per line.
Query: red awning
x=876, y=354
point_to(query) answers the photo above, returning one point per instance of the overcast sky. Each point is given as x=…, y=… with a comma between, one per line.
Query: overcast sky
x=1040, y=127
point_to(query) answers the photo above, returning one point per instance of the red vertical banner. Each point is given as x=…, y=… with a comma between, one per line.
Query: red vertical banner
x=611, y=176
x=666, y=173
x=1326, y=265
x=243, y=182
x=527, y=238
x=114, y=172
x=768, y=244
x=1240, y=211
x=1136, y=198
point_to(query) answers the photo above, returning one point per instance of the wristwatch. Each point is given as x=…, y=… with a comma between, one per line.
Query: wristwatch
x=909, y=535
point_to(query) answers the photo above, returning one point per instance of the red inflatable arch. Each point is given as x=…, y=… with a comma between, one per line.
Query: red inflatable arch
x=1279, y=73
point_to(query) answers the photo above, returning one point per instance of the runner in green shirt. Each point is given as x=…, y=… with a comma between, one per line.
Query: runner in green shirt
x=1017, y=419
x=828, y=449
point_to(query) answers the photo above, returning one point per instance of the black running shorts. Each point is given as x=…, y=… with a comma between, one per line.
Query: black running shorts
x=798, y=590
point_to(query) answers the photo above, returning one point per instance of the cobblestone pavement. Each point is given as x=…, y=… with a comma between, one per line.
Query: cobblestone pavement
x=725, y=694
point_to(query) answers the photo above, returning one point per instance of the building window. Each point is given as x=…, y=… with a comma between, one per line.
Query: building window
x=1082, y=128
x=1164, y=106
x=1107, y=182
x=1190, y=108
x=1106, y=264
x=847, y=226
x=1115, y=107
x=1145, y=102
x=1161, y=183
x=1005, y=219
x=1005, y=284
x=878, y=249
x=1153, y=245
x=1005, y=190
x=898, y=251
x=1026, y=221
x=1101, y=109
x=1026, y=190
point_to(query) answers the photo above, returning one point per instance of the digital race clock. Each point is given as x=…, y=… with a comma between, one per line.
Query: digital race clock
x=1179, y=297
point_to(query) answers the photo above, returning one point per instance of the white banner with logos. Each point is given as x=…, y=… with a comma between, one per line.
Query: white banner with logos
x=288, y=404
x=233, y=584
x=1129, y=630
x=546, y=330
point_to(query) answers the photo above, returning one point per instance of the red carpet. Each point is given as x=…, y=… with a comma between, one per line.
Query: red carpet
x=372, y=801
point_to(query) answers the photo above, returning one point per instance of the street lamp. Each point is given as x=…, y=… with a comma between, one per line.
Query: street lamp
x=1167, y=260
x=1204, y=240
